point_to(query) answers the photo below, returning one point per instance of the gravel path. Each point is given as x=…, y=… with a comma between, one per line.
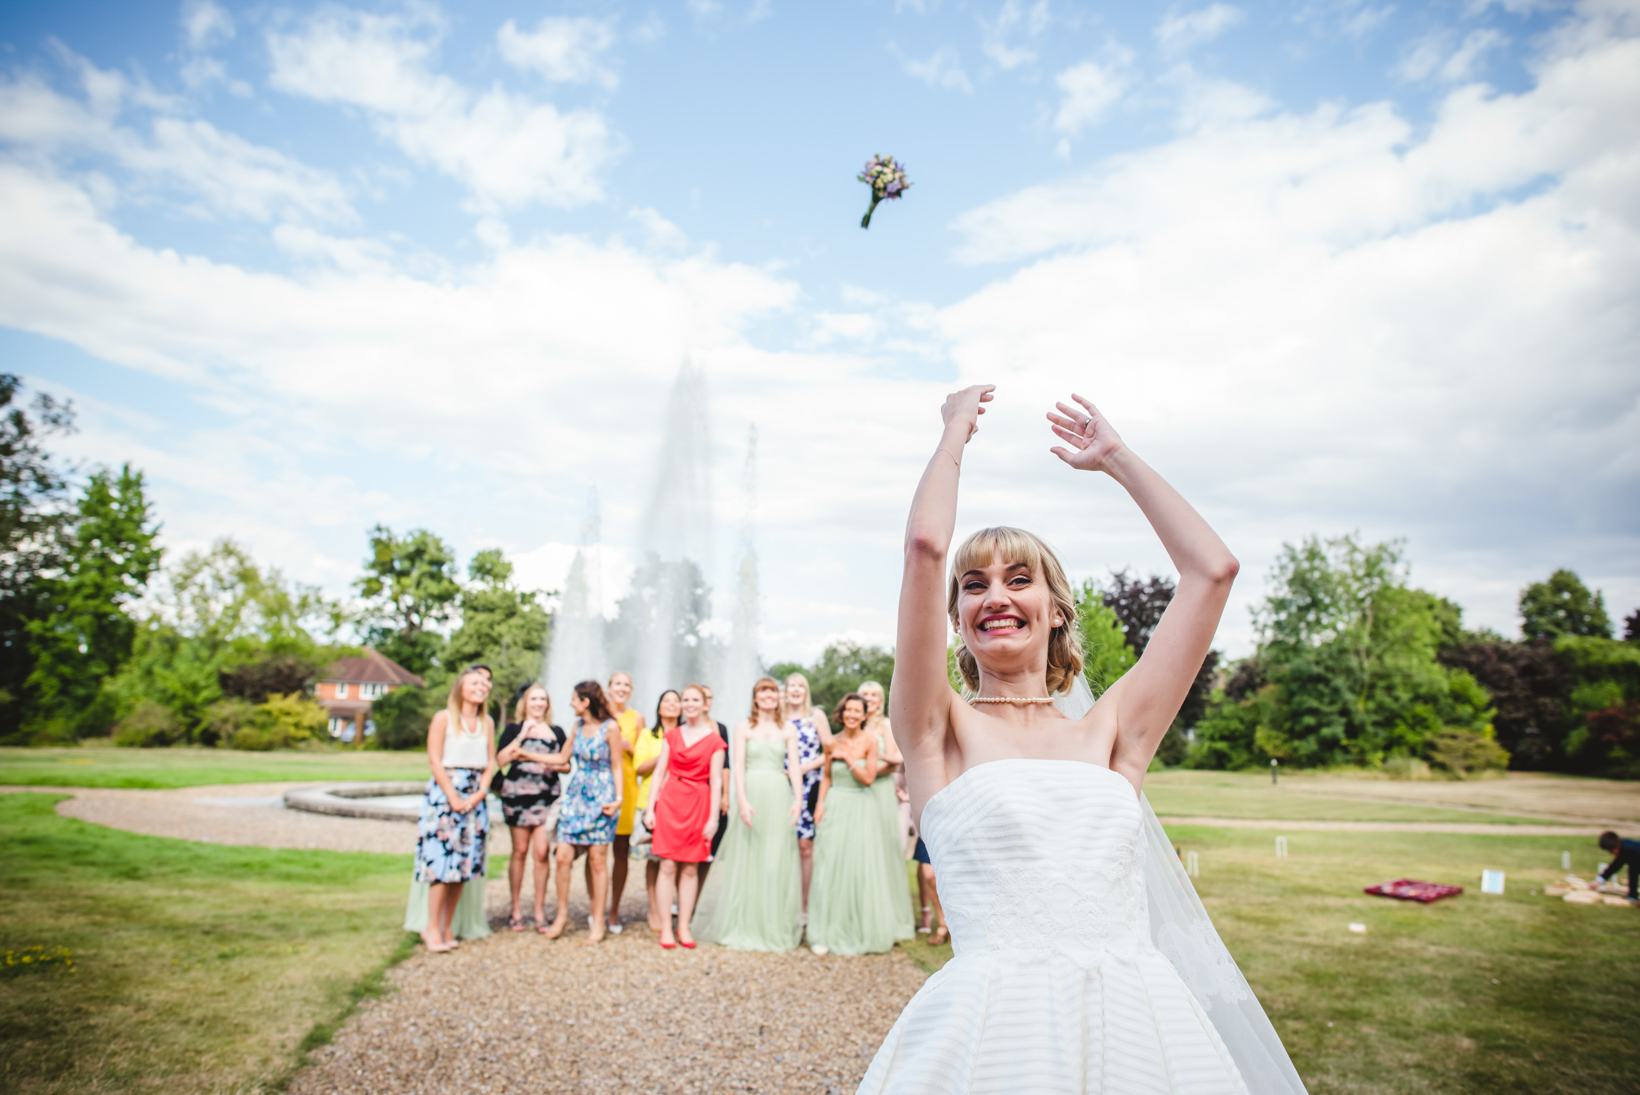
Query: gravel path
x=518, y=1013
x=236, y=813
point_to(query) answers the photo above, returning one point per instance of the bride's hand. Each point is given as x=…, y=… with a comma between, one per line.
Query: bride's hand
x=965, y=407
x=1092, y=439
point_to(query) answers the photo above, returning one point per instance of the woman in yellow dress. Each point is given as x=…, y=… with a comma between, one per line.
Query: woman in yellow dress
x=631, y=721
x=668, y=713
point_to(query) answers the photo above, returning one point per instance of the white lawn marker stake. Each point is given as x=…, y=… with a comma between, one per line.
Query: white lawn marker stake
x=1565, y=861
x=1492, y=882
x=1281, y=847
x=1192, y=865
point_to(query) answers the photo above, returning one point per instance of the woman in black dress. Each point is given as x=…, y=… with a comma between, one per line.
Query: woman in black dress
x=529, y=796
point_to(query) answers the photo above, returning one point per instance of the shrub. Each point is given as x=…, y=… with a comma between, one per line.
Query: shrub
x=256, y=681
x=403, y=714
x=281, y=722
x=148, y=725
x=223, y=719
x=1466, y=752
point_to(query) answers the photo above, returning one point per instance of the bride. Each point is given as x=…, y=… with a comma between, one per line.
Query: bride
x=1083, y=960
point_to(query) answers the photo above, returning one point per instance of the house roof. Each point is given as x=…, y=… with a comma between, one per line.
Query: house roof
x=373, y=668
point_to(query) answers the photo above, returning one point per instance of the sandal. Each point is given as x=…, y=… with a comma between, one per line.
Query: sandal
x=940, y=937
x=515, y=923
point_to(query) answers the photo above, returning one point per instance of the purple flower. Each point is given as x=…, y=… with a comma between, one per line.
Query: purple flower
x=886, y=179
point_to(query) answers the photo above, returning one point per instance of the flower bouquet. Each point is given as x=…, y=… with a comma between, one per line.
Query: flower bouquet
x=886, y=179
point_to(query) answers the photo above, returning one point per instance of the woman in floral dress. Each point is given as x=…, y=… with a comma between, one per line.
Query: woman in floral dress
x=591, y=805
x=529, y=796
x=455, y=822
x=813, y=735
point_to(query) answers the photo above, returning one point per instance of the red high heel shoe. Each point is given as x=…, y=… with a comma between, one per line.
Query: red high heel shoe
x=687, y=944
x=665, y=946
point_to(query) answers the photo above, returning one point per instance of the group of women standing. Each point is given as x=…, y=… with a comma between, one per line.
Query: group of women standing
x=755, y=838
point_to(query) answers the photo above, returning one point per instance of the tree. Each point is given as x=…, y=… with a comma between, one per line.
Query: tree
x=1138, y=605
x=1529, y=688
x=34, y=517
x=222, y=626
x=1631, y=627
x=1562, y=606
x=1348, y=653
x=502, y=626
x=85, y=634
x=1106, y=651
x=841, y=668
x=410, y=587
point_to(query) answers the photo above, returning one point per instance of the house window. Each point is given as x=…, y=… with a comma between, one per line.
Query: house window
x=338, y=725
x=371, y=691
x=341, y=691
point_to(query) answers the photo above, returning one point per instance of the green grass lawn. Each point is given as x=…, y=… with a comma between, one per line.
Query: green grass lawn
x=1518, y=993
x=1180, y=793
x=194, y=767
x=195, y=967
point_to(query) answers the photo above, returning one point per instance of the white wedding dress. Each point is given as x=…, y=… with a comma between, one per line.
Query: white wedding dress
x=1057, y=984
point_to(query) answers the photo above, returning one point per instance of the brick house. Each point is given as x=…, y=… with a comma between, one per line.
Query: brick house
x=350, y=685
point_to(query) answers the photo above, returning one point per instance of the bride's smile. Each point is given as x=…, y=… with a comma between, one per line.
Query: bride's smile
x=1006, y=613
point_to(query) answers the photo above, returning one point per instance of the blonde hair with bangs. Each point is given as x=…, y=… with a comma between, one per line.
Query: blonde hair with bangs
x=768, y=682
x=1015, y=545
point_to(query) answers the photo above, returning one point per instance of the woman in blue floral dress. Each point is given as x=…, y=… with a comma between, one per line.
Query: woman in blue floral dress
x=813, y=734
x=591, y=806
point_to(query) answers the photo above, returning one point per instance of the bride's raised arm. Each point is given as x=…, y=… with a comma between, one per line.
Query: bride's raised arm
x=1149, y=695
x=921, y=695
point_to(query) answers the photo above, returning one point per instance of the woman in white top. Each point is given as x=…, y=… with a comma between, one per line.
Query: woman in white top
x=454, y=830
x=1034, y=819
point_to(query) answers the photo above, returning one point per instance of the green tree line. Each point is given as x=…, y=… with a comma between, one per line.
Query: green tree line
x=100, y=638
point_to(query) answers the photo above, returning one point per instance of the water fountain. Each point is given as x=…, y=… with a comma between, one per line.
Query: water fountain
x=663, y=632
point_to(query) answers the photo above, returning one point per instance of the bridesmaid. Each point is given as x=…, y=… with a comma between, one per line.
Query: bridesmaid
x=683, y=810
x=529, y=796
x=751, y=899
x=631, y=720
x=862, y=899
x=454, y=830
x=591, y=804
x=668, y=712
x=813, y=735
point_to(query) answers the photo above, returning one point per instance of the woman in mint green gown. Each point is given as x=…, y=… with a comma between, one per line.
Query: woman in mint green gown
x=752, y=898
x=860, y=900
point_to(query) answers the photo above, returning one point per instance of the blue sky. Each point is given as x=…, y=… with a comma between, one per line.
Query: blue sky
x=1331, y=266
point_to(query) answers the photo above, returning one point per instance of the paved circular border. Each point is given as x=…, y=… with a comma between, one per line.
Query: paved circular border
x=343, y=799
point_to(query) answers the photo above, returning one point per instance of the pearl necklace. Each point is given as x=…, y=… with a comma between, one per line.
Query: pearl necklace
x=1010, y=699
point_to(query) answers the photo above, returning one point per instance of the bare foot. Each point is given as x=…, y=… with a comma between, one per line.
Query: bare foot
x=597, y=935
x=655, y=925
x=940, y=937
x=556, y=929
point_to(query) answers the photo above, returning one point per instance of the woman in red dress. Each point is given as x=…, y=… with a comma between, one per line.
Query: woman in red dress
x=683, y=810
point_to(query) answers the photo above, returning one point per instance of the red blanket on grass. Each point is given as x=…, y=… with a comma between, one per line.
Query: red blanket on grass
x=1407, y=889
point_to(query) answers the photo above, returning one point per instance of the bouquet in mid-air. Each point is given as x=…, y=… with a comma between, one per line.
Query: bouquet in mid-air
x=886, y=179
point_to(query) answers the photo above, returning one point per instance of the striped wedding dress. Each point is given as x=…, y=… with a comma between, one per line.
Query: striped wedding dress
x=1056, y=985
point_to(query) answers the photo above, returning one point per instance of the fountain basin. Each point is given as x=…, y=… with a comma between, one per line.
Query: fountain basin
x=382, y=800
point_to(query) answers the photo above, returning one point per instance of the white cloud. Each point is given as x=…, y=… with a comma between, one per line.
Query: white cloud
x=943, y=68
x=1014, y=18
x=1087, y=91
x=1328, y=321
x=509, y=150
x=1435, y=55
x=1181, y=31
x=205, y=24
x=226, y=173
x=567, y=49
